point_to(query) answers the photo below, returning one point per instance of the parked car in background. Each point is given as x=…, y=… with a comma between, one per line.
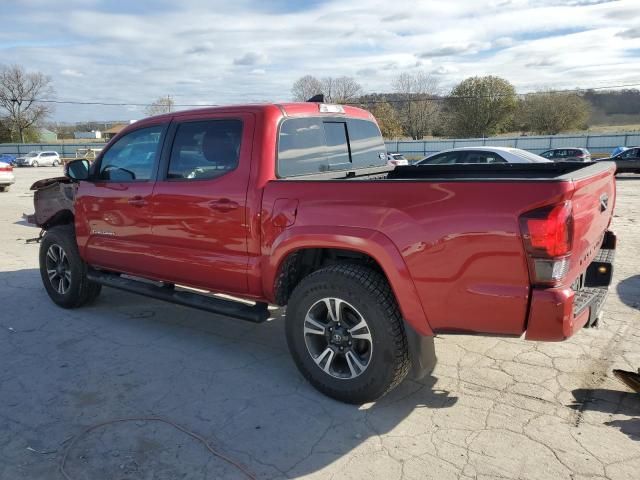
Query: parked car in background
x=7, y=158
x=482, y=155
x=39, y=159
x=618, y=150
x=567, y=155
x=396, y=159
x=7, y=178
x=627, y=161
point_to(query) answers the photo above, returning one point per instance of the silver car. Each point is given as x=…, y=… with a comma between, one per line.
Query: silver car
x=7, y=178
x=482, y=155
x=39, y=159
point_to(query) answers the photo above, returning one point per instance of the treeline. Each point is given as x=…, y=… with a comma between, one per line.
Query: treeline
x=476, y=107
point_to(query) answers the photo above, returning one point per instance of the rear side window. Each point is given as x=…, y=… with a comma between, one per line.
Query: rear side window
x=441, y=159
x=203, y=150
x=481, y=157
x=313, y=145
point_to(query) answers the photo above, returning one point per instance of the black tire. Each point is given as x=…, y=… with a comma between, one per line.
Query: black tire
x=4, y=188
x=55, y=163
x=76, y=290
x=35, y=164
x=368, y=292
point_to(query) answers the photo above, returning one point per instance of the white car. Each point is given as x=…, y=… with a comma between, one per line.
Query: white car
x=39, y=159
x=7, y=178
x=396, y=159
x=482, y=155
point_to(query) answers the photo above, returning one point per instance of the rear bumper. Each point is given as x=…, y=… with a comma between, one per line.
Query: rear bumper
x=7, y=179
x=556, y=314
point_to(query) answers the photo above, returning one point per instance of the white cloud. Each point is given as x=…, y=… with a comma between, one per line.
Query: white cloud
x=218, y=52
x=70, y=72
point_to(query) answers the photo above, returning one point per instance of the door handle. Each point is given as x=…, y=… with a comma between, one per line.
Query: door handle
x=223, y=205
x=137, y=201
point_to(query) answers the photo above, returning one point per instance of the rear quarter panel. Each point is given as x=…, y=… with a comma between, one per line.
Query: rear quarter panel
x=460, y=241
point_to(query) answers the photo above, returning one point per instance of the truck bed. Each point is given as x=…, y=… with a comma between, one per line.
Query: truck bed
x=457, y=228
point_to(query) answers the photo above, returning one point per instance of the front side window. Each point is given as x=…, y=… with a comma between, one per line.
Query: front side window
x=631, y=153
x=204, y=150
x=132, y=158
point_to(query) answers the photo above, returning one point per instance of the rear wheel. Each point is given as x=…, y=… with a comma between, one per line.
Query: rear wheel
x=55, y=163
x=63, y=272
x=4, y=188
x=346, y=334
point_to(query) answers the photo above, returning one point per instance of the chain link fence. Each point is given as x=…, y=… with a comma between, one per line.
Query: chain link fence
x=63, y=149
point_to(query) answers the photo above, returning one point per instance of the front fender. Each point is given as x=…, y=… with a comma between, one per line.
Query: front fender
x=365, y=241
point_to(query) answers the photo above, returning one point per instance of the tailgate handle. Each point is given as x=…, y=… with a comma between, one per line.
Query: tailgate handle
x=604, y=202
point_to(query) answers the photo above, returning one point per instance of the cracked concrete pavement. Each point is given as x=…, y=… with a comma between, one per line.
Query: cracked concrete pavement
x=493, y=408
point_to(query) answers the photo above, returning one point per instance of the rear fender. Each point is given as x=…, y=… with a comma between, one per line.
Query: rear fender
x=368, y=242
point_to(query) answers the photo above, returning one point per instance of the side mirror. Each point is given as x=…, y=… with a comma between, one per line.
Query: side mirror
x=78, y=170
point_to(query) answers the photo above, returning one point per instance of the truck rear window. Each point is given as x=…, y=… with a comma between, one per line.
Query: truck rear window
x=312, y=145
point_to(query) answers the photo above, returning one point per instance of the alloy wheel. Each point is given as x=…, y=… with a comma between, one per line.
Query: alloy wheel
x=58, y=269
x=338, y=338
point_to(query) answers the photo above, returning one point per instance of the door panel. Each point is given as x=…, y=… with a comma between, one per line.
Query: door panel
x=200, y=223
x=116, y=204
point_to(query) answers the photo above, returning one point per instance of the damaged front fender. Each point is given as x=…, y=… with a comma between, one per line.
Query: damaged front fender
x=53, y=200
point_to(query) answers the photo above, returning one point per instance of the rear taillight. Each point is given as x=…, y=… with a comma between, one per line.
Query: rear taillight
x=548, y=237
x=8, y=168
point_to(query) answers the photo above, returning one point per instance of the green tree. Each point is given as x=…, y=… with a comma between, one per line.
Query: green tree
x=388, y=121
x=550, y=112
x=480, y=106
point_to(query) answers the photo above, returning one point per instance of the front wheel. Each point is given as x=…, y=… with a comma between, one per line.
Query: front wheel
x=63, y=272
x=345, y=333
x=55, y=163
x=35, y=164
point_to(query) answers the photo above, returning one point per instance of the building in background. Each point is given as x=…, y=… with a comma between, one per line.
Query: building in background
x=92, y=135
x=113, y=131
x=46, y=136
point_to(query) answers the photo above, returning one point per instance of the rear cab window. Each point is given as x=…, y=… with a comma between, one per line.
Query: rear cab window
x=312, y=145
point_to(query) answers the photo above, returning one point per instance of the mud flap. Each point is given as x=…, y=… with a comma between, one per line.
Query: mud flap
x=422, y=353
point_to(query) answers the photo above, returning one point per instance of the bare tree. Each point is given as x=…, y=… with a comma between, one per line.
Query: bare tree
x=19, y=95
x=306, y=87
x=418, y=106
x=341, y=89
x=160, y=106
x=335, y=90
x=549, y=113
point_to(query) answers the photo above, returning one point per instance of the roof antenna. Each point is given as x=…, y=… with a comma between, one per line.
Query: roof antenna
x=319, y=98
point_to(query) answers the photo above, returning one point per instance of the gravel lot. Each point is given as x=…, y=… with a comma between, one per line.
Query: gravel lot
x=494, y=408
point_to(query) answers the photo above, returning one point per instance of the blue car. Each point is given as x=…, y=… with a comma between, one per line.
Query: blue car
x=8, y=158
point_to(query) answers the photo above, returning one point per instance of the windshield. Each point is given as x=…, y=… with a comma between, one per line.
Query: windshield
x=32, y=154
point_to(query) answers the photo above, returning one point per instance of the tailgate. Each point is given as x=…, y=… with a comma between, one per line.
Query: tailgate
x=593, y=201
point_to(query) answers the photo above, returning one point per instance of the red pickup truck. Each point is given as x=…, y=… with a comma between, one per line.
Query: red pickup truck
x=236, y=209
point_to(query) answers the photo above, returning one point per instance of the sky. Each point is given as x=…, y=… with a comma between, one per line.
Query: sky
x=220, y=52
